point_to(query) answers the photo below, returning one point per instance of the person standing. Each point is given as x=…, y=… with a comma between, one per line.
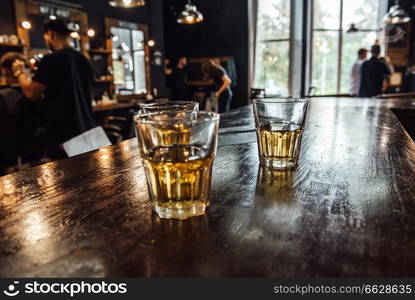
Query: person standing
x=180, y=91
x=221, y=84
x=64, y=78
x=20, y=123
x=355, y=72
x=373, y=73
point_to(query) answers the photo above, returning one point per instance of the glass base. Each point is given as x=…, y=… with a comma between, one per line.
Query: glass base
x=279, y=164
x=198, y=209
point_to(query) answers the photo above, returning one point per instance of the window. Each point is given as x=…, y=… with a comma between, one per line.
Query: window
x=333, y=50
x=129, y=60
x=272, y=61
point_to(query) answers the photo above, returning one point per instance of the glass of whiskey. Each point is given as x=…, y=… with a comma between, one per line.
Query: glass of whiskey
x=178, y=151
x=279, y=125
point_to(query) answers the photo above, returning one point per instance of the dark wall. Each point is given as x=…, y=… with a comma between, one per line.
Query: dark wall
x=409, y=79
x=97, y=10
x=409, y=6
x=7, y=17
x=224, y=32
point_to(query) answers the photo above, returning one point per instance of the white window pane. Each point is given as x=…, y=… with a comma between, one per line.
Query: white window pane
x=273, y=19
x=272, y=67
x=129, y=71
x=324, y=64
x=123, y=71
x=364, y=14
x=140, y=72
x=326, y=14
x=138, y=40
x=123, y=39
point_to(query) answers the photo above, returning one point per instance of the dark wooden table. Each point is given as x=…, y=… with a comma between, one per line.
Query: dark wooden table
x=348, y=210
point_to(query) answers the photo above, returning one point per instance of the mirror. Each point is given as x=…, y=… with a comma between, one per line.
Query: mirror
x=129, y=57
x=37, y=13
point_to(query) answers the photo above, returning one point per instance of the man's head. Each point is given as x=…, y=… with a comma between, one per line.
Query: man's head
x=182, y=61
x=6, y=63
x=375, y=50
x=362, y=53
x=56, y=33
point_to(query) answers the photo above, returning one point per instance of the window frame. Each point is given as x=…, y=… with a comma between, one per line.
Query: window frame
x=109, y=23
x=289, y=39
x=382, y=9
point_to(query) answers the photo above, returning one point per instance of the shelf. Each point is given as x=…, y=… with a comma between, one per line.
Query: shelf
x=100, y=51
x=11, y=45
x=103, y=81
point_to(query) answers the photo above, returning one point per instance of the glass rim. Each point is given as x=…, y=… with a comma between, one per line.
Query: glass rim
x=281, y=100
x=168, y=103
x=200, y=116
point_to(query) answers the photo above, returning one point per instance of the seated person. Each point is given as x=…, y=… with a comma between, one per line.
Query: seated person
x=19, y=118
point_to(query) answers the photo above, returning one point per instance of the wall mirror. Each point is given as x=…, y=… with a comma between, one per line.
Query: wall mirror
x=37, y=13
x=129, y=59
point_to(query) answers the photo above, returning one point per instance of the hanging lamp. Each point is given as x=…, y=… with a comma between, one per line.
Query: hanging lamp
x=396, y=15
x=127, y=3
x=190, y=14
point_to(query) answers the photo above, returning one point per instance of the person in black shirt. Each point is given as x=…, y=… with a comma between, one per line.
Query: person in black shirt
x=168, y=72
x=221, y=83
x=180, y=91
x=19, y=119
x=373, y=73
x=65, y=79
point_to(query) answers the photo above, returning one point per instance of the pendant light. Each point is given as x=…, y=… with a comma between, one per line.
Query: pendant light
x=127, y=3
x=352, y=29
x=190, y=14
x=396, y=15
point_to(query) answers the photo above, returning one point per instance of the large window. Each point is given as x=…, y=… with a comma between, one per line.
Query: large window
x=333, y=50
x=272, y=59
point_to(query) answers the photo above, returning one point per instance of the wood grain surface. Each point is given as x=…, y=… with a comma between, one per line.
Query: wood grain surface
x=348, y=210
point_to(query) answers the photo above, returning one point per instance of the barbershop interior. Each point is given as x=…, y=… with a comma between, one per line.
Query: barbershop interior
x=207, y=138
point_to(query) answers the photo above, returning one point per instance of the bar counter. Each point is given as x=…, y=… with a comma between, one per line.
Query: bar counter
x=348, y=210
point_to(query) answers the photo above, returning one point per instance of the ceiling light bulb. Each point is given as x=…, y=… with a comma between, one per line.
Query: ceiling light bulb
x=26, y=25
x=91, y=32
x=75, y=35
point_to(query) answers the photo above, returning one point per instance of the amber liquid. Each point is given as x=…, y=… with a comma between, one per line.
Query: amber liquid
x=179, y=135
x=179, y=178
x=279, y=144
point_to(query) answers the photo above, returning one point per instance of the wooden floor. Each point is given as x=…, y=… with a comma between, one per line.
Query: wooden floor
x=348, y=210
